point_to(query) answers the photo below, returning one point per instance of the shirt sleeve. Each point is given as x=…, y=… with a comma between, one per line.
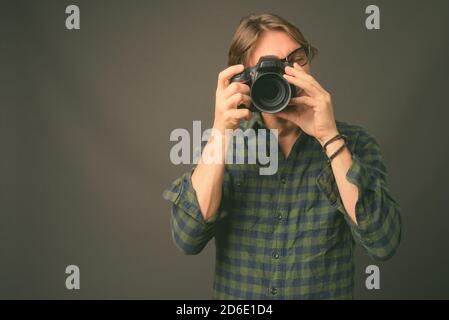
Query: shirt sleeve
x=378, y=214
x=190, y=231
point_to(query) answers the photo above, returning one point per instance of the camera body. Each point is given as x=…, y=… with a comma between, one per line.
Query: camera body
x=270, y=91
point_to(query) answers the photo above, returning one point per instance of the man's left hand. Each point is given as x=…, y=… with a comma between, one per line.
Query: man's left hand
x=312, y=110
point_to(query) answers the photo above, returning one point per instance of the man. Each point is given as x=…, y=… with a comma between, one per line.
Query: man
x=290, y=235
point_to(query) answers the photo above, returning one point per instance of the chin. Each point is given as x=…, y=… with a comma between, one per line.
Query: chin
x=284, y=122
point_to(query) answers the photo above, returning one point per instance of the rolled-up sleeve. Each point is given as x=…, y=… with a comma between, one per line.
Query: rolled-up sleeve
x=378, y=227
x=190, y=231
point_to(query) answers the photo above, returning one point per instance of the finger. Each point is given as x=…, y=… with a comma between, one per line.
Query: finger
x=241, y=114
x=303, y=101
x=234, y=88
x=238, y=99
x=292, y=112
x=305, y=85
x=299, y=72
x=298, y=67
x=228, y=73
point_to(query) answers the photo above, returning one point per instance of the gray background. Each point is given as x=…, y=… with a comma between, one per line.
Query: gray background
x=86, y=117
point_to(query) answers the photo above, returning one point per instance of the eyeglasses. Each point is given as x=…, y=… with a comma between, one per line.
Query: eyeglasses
x=299, y=55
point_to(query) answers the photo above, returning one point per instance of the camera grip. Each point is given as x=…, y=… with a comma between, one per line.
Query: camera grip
x=241, y=77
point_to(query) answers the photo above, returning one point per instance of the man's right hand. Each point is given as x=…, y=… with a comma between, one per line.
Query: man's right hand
x=207, y=180
x=228, y=97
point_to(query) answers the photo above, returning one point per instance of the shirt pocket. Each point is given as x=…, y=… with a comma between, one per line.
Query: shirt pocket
x=318, y=213
x=244, y=205
x=320, y=224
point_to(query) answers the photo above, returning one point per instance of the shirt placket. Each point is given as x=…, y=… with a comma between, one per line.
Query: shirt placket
x=279, y=216
x=286, y=167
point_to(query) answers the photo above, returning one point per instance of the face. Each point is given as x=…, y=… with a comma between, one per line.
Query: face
x=276, y=43
x=280, y=44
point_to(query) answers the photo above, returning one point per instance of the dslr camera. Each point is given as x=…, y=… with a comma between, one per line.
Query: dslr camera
x=270, y=91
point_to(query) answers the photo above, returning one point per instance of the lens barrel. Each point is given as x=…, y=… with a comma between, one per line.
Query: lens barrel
x=270, y=92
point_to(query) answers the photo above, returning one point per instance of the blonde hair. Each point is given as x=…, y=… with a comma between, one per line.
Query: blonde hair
x=250, y=29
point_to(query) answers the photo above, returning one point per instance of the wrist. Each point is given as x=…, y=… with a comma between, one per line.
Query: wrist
x=218, y=127
x=325, y=138
x=334, y=147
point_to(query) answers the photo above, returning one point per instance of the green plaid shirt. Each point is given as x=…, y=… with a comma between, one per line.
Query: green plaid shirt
x=288, y=235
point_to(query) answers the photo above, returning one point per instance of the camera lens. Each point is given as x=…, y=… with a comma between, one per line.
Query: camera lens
x=270, y=92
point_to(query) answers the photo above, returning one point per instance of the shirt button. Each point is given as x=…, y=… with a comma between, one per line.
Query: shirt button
x=280, y=216
x=275, y=255
x=283, y=181
x=273, y=291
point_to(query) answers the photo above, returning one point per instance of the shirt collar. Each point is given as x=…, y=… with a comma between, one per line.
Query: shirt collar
x=256, y=122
